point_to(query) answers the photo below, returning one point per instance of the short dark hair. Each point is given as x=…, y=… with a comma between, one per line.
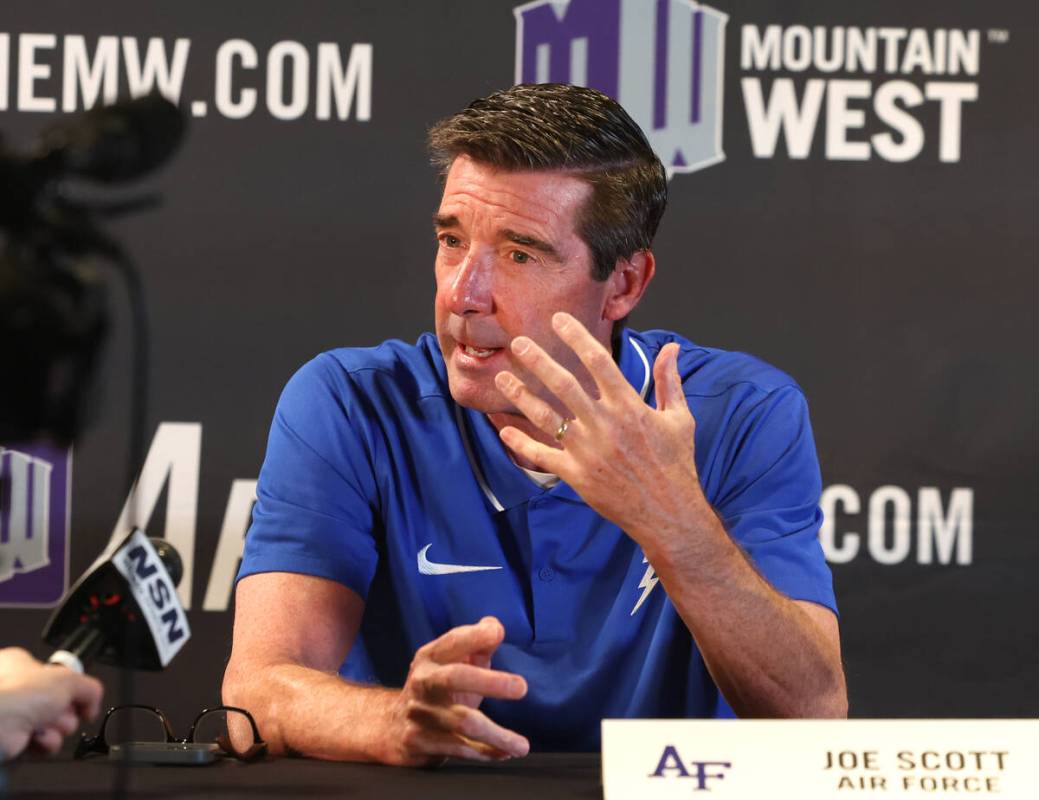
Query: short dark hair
x=555, y=126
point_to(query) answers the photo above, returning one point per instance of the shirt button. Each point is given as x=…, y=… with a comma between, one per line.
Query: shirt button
x=546, y=574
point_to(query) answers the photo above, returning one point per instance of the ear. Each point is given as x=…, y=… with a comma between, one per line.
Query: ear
x=628, y=282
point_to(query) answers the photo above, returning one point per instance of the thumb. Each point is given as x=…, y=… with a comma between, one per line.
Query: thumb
x=669, y=382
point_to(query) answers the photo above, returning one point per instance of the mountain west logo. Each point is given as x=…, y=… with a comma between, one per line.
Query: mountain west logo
x=34, y=489
x=663, y=60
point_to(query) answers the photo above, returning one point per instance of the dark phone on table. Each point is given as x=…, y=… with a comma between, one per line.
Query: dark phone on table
x=190, y=754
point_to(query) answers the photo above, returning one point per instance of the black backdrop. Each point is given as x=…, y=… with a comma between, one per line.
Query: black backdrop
x=897, y=293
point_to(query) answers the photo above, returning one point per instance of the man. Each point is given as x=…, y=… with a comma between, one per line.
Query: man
x=41, y=704
x=482, y=519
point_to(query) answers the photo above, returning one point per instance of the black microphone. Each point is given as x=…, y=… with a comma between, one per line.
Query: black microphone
x=115, y=143
x=124, y=610
x=53, y=305
x=107, y=144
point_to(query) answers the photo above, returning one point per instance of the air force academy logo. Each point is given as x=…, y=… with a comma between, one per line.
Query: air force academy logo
x=34, y=490
x=663, y=60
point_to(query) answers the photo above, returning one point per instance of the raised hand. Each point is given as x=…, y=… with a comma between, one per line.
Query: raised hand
x=632, y=463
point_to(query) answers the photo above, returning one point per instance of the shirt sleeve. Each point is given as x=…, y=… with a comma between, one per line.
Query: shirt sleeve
x=769, y=498
x=317, y=499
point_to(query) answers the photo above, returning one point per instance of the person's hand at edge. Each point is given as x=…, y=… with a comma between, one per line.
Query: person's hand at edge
x=41, y=704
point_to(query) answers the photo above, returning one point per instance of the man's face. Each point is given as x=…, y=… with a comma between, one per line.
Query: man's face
x=509, y=257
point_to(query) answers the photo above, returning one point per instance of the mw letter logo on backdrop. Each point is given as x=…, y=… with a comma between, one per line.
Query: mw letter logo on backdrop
x=34, y=522
x=663, y=60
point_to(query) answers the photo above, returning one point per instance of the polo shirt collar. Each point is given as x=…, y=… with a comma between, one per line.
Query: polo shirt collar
x=504, y=484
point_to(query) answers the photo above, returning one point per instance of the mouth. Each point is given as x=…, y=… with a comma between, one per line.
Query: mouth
x=478, y=352
x=469, y=356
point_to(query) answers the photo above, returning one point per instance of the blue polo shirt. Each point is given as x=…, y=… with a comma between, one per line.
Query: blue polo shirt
x=376, y=479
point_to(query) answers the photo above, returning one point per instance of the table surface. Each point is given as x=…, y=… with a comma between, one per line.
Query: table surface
x=541, y=776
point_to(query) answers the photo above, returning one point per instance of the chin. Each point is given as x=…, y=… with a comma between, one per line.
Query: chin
x=474, y=395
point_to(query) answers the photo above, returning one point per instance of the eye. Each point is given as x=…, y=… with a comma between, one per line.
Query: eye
x=520, y=257
x=449, y=240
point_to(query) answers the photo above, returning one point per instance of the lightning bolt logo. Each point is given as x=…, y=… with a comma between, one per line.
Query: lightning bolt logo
x=649, y=580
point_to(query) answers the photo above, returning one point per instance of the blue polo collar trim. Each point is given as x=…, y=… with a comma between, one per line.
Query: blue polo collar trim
x=505, y=485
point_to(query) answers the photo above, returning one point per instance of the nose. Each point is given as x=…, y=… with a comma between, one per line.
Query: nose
x=470, y=291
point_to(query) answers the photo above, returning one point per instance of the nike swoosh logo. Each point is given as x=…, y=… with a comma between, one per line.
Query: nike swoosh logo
x=427, y=567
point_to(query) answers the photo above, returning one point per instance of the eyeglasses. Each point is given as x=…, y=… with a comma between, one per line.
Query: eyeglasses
x=222, y=726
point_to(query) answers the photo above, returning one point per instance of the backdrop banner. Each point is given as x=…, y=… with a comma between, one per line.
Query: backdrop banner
x=853, y=197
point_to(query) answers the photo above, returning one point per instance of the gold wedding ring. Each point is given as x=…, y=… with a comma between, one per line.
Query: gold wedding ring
x=561, y=430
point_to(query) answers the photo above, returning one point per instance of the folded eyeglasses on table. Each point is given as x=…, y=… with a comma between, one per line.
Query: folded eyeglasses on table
x=231, y=731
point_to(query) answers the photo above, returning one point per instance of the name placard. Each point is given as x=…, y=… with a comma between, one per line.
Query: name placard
x=808, y=759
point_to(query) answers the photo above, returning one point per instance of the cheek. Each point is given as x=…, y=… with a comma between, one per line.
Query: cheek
x=518, y=311
x=540, y=302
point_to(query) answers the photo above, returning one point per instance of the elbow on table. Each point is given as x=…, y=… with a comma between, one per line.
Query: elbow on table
x=243, y=688
x=238, y=684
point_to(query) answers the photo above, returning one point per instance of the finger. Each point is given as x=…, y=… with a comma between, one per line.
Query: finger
x=596, y=358
x=87, y=692
x=66, y=722
x=481, y=659
x=558, y=380
x=48, y=740
x=548, y=458
x=461, y=677
x=17, y=667
x=471, y=723
x=670, y=393
x=459, y=643
x=438, y=744
x=16, y=658
x=540, y=413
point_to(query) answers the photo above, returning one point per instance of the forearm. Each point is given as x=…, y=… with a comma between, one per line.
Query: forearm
x=303, y=711
x=767, y=655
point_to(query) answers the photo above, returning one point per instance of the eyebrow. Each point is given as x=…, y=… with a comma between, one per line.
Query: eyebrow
x=531, y=242
x=441, y=221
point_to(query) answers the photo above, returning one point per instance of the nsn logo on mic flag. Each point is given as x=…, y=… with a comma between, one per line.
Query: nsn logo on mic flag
x=34, y=518
x=663, y=60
